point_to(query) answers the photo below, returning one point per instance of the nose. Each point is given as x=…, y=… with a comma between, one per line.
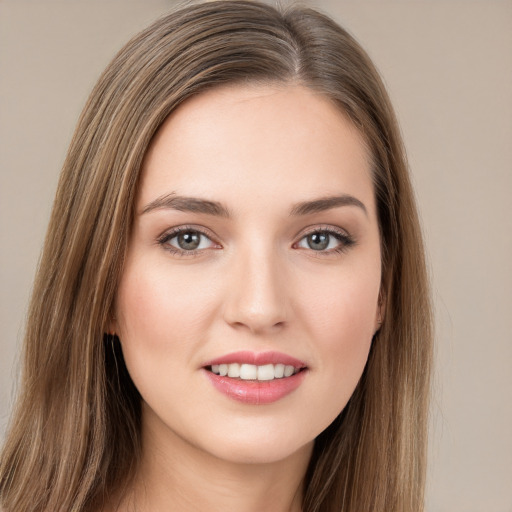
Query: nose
x=256, y=299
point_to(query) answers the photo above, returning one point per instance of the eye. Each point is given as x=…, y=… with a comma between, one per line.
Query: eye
x=186, y=241
x=326, y=240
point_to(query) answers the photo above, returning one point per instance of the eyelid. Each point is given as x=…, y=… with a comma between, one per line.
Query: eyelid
x=323, y=228
x=346, y=240
x=171, y=233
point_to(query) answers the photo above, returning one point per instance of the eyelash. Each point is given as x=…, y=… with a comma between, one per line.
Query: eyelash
x=346, y=241
x=164, y=239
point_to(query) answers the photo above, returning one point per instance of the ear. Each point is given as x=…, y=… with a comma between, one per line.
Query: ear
x=112, y=325
x=380, y=311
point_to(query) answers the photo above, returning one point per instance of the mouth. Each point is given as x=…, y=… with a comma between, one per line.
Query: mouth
x=265, y=372
x=256, y=379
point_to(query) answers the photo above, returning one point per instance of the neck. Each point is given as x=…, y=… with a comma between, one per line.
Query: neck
x=176, y=475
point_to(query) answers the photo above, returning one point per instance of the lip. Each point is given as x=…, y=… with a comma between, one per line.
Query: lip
x=254, y=392
x=257, y=358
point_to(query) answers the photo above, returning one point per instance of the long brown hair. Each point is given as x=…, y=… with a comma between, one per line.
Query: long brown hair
x=75, y=434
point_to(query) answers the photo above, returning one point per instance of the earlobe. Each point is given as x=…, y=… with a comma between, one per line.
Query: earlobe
x=111, y=326
x=380, y=313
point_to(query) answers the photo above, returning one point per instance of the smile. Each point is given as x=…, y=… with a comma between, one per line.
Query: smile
x=264, y=372
x=256, y=378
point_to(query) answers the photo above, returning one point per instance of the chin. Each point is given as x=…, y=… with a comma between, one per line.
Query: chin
x=270, y=451
x=264, y=443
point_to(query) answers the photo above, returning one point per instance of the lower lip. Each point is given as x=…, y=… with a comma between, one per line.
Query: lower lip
x=256, y=392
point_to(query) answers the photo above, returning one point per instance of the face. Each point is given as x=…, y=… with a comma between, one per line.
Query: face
x=255, y=252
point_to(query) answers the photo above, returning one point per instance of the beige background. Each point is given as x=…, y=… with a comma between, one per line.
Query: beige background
x=448, y=66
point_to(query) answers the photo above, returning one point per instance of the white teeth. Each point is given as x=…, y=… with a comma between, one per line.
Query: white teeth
x=253, y=372
x=279, y=371
x=248, y=371
x=233, y=370
x=266, y=372
x=288, y=370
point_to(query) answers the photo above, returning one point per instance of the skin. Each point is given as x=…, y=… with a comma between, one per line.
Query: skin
x=254, y=284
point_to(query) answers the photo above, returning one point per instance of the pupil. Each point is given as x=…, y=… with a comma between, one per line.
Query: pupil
x=189, y=240
x=318, y=241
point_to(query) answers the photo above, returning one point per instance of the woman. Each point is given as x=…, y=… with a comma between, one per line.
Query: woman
x=232, y=305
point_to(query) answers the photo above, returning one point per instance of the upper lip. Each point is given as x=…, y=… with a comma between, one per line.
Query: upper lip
x=257, y=359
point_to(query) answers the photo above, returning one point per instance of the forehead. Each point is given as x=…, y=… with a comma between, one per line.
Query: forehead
x=275, y=142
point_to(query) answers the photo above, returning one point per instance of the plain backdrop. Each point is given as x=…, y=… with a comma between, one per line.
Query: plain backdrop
x=448, y=67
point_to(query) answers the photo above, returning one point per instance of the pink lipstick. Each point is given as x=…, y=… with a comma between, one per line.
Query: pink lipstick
x=255, y=378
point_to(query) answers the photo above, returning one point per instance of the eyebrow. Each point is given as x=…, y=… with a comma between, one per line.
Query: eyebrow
x=187, y=204
x=327, y=203
x=196, y=205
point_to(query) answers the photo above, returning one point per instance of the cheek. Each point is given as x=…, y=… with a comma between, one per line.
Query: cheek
x=340, y=320
x=341, y=308
x=344, y=334
x=155, y=305
x=161, y=321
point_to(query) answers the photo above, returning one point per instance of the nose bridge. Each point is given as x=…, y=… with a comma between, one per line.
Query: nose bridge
x=257, y=295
